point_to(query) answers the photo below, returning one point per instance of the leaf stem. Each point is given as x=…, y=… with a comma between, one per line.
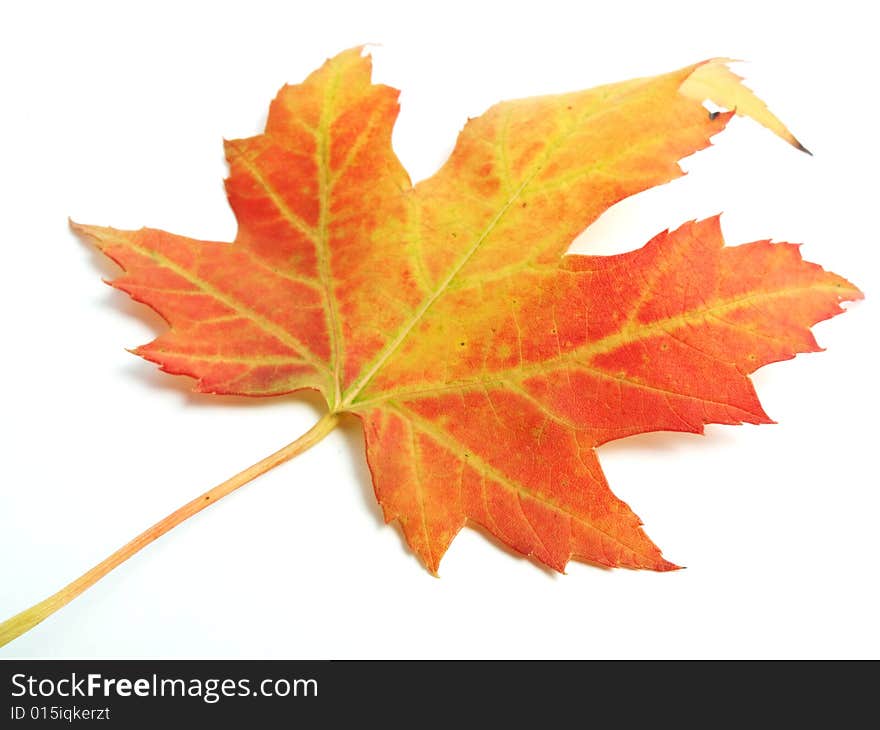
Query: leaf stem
x=20, y=623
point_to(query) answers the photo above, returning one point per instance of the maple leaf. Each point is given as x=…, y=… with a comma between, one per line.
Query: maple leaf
x=445, y=312
x=485, y=363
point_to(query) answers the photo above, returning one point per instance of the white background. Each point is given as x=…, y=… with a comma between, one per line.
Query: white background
x=114, y=114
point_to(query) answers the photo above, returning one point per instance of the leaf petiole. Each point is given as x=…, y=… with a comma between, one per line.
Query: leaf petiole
x=14, y=627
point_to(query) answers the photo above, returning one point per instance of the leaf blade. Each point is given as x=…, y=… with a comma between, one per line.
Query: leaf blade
x=486, y=365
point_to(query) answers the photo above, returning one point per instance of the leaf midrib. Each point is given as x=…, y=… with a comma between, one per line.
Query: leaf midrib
x=575, y=358
x=276, y=330
x=322, y=244
x=449, y=442
x=364, y=379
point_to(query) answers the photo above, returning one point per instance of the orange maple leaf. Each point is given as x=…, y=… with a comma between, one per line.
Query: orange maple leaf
x=485, y=363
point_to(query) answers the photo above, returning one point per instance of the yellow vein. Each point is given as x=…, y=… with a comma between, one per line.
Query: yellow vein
x=662, y=326
x=547, y=550
x=404, y=331
x=658, y=270
x=273, y=195
x=553, y=416
x=655, y=389
x=322, y=243
x=358, y=145
x=295, y=278
x=265, y=324
x=253, y=360
x=450, y=443
x=500, y=147
x=599, y=347
x=413, y=244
